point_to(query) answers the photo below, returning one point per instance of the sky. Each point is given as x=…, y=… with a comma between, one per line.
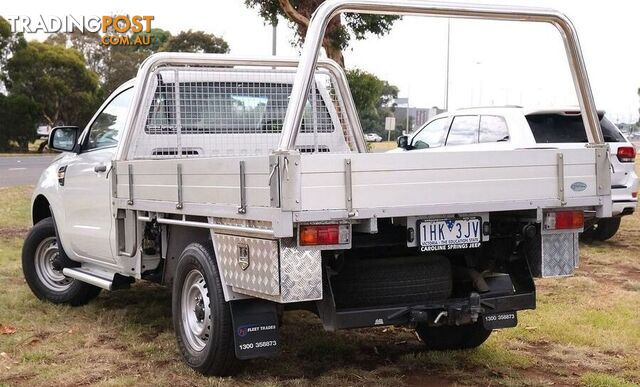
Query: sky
x=491, y=63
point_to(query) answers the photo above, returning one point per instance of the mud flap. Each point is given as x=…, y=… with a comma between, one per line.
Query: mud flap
x=255, y=327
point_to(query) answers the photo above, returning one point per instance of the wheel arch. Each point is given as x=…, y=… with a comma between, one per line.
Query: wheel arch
x=177, y=239
x=40, y=209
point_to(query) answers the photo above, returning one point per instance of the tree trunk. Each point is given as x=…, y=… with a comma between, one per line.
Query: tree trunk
x=331, y=47
x=301, y=14
x=23, y=146
x=49, y=120
x=333, y=53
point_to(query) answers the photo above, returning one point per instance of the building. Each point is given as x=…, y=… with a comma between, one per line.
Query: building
x=417, y=115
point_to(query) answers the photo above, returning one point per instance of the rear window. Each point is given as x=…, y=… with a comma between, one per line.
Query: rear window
x=230, y=108
x=550, y=128
x=493, y=129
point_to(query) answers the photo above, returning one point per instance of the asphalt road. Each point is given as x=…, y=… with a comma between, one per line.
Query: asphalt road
x=22, y=170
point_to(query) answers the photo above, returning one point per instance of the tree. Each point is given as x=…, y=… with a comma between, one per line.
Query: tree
x=339, y=31
x=87, y=43
x=373, y=99
x=157, y=37
x=121, y=64
x=19, y=118
x=9, y=42
x=116, y=64
x=195, y=41
x=57, y=79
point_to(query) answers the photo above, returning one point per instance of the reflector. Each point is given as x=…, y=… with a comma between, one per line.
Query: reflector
x=566, y=220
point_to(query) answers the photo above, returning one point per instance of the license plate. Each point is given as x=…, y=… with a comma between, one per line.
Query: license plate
x=449, y=234
x=500, y=320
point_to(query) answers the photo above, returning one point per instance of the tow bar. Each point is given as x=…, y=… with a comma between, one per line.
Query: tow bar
x=458, y=313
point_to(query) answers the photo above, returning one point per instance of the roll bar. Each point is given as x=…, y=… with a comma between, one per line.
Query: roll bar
x=330, y=8
x=164, y=59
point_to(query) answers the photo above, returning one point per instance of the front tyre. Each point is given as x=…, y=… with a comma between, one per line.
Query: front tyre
x=42, y=261
x=201, y=317
x=453, y=337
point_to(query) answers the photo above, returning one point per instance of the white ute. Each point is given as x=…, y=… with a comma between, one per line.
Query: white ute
x=244, y=185
x=515, y=127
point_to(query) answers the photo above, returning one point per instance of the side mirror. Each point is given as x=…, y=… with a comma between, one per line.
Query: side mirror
x=63, y=138
x=403, y=142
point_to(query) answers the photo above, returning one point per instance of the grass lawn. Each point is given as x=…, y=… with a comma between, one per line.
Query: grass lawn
x=33, y=150
x=586, y=331
x=382, y=146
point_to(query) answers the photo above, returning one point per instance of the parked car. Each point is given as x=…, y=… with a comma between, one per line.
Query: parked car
x=517, y=128
x=372, y=137
x=43, y=131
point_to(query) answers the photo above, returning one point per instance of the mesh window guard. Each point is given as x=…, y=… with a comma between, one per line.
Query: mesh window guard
x=236, y=111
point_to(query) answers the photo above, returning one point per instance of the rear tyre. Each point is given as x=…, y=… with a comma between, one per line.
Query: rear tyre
x=201, y=317
x=42, y=262
x=453, y=337
x=606, y=228
x=588, y=235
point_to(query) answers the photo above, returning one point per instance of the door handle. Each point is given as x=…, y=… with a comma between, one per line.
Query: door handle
x=100, y=168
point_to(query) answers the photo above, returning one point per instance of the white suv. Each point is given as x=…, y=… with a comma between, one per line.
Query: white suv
x=517, y=127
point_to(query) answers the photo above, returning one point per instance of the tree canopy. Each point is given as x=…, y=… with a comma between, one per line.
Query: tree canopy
x=116, y=64
x=195, y=41
x=64, y=79
x=9, y=42
x=373, y=99
x=157, y=37
x=20, y=115
x=339, y=30
x=57, y=79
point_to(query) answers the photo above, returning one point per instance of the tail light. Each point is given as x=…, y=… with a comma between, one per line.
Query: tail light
x=626, y=154
x=564, y=220
x=324, y=234
x=634, y=195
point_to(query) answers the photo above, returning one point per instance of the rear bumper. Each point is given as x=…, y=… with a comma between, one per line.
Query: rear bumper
x=622, y=196
x=405, y=315
x=623, y=207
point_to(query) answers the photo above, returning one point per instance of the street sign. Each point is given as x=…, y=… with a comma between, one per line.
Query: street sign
x=390, y=124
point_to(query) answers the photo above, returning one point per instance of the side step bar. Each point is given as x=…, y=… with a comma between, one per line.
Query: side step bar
x=89, y=278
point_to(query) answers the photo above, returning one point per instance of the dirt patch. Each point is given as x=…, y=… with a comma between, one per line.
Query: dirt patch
x=427, y=381
x=561, y=365
x=616, y=273
x=14, y=232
